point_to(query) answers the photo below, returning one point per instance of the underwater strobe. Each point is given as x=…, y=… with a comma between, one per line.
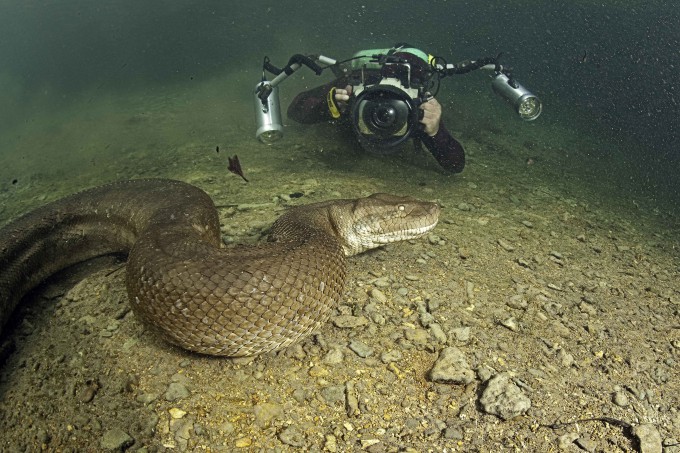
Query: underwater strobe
x=268, y=113
x=267, y=107
x=526, y=104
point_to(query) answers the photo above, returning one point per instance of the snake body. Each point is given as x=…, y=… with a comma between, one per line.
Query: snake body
x=182, y=281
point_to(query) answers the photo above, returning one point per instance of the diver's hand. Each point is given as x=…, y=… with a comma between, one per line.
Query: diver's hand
x=432, y=116
x=342, y=96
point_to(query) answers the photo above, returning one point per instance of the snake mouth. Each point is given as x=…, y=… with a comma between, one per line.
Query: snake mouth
x=404, y=234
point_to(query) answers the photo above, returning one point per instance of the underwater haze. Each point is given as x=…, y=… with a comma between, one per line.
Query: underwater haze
x=613, y=63
x=540, y=314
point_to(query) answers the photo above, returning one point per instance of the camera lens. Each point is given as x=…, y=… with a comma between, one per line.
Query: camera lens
x=384, y=115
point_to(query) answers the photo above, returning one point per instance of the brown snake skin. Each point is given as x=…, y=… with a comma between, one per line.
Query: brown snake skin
x=182, y=281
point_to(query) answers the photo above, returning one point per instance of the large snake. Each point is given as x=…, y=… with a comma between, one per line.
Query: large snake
x=181, y=279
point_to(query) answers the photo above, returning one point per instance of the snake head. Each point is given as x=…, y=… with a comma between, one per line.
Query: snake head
x=380, y=219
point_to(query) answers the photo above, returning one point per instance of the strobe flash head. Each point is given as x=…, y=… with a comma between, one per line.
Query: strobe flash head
x=526, y=104
x=268, y=113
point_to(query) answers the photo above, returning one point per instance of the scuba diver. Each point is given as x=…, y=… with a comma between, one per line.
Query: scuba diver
x=385, y=114
x=387, y=96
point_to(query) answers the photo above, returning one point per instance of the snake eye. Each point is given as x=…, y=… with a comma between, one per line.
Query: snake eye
x=402, y=207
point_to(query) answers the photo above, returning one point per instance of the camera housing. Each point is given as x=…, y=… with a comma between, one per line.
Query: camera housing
x=384, y=114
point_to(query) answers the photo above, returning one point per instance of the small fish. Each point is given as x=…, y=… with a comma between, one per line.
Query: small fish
x=235, y=167
x=584, y=57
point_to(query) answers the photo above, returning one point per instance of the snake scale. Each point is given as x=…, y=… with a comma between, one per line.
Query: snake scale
x=182, y=281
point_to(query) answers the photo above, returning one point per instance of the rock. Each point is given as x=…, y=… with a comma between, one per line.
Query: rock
x=352, y=402
x=391, y=356
x=461, y=334
x=566, y=441
x=333, y=357
x=349, y=321
x=621, y=399
x=266, y=412
x=243, y=442
x=333, y=394
x=452, y=432
x=176, y=391
x=331, y=443
x=565, y=358
x=650, y=439
x=417, y=336
x=511, y=323
x=292, y=436
x=438, y=333
x=586, y=443
x=451, y=368
x=378, y=295
x=505, y=245
x=504, y=398
x=116, y=440
x=361, y=349
x=176, y=412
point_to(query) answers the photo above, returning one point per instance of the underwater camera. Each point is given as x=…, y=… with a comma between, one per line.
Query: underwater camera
x=384, y=110
x=388, y=87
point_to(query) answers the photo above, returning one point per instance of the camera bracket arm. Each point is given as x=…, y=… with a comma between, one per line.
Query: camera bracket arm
x=294, y=63
x=463, y=67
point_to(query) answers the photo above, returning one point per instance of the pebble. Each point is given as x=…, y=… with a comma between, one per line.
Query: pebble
x=331, y=443
x=650, y=439
x=361, y=349
x=176, y=391
x=365, y=443
x=333, y=394
x=566, y=359
x=451, y=368
x=378, y=295
x=382, y=282
x=116, y=439
x=146, y=398
x=461, y=334
x=243, y=442
x=586, y=443
x=391, y=356
x=505, y=245
x=621, y=399
x=517, y=302
x=417, y=336
x=176, y=413
x=333, y=357
x=349, y=321
x=266, y=412
x=566, y=441
x=453, y=433
x=438, y=333
x=426, y=319
x=511, y=323
x=292, y=436
x=352, y=402
x=504, y=398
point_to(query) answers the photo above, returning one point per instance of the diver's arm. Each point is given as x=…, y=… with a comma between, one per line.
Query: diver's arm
x=446, y=149
x=311, y=106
